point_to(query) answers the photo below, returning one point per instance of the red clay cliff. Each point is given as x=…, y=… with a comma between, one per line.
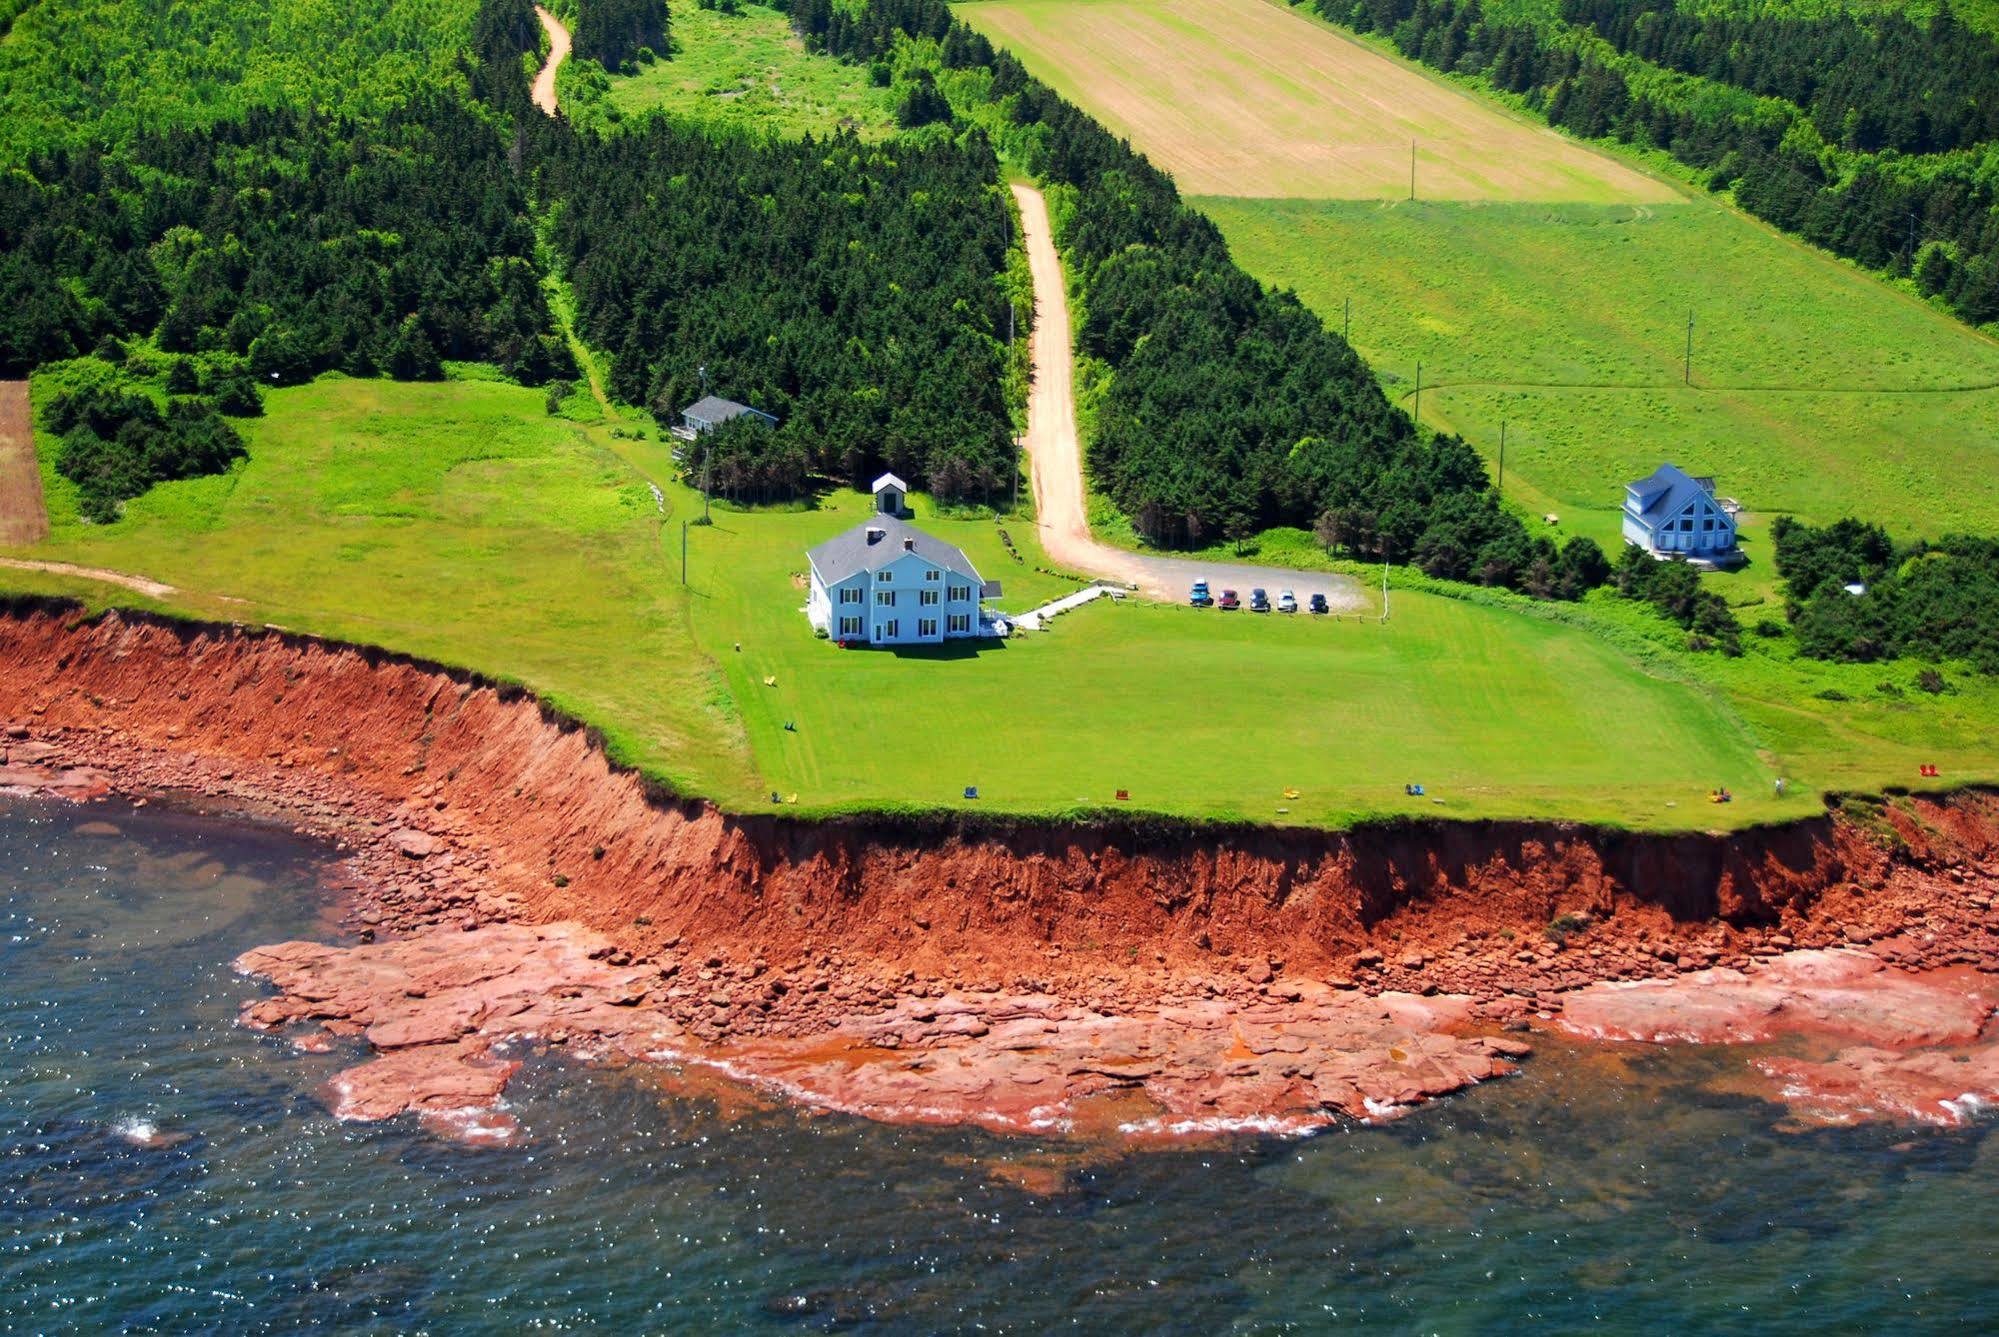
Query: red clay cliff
x=798, y=953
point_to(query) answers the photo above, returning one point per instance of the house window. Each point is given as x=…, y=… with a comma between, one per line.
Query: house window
x=933, y=574
x=927, y=598
x=1707, y=523
x=885, y=598
x=852, y=594
x=1687, y=525
x=926, y=626
x=891, y=629
x=850, y=626
x=884, y=576
x=959, y=623
x=959, y=593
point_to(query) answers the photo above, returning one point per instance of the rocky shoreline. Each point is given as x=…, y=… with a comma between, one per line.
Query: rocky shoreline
x=507, y=885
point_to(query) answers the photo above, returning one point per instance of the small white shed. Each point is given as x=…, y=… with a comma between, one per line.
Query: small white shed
x=890, y=495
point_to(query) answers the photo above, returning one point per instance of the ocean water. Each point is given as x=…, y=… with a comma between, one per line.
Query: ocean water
x=162, y=1170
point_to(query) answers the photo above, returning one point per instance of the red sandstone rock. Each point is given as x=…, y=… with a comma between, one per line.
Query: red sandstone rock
x=1844, y=992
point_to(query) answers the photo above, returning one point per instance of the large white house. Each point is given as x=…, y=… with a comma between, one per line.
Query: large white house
x=885, y=582
x=1672, y=514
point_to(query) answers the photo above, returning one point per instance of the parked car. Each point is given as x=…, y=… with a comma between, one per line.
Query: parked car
x=1229, y=600
x=1287, y=602
x=1259, y=602
x=1319, y=604
x=1200, y=597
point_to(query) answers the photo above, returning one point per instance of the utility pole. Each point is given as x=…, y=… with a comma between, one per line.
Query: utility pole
x=1015, y=508
x=1384, y=587
x=683, y=552
x=1416, y=415
x=1346, y=323
x=706, y=451
x=1687, y=368
x=1502, y=457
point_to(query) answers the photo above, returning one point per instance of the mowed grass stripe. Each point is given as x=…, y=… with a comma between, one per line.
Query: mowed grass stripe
x=1817, y=390
x=1245, y=97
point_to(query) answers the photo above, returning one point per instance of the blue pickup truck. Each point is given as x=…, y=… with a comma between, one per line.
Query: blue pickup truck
x=1200, y=597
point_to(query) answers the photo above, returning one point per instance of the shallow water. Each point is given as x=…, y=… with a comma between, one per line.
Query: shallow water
x=1614, y=1191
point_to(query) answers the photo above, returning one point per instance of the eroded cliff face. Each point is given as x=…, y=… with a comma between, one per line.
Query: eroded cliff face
x=507, y=880
x=569, y=836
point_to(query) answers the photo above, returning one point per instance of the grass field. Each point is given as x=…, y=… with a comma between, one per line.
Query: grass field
x=747, y=71
x=1211, y=713
x=456, y=521
x=1817, y=389
x=459, y=521
x=1245, y=97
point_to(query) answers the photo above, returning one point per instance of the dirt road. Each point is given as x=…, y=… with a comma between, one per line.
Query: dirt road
x=23, y=519
x=139, y=584
x=558, y=51
x=1055, y=455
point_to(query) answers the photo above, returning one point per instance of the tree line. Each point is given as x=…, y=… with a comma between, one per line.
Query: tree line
x=1229, y=408
x=1871, y=135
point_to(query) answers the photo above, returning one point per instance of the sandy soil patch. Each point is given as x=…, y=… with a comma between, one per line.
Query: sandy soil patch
x=23, y=518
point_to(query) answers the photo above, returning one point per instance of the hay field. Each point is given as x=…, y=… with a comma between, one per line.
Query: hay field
x=1248, y=98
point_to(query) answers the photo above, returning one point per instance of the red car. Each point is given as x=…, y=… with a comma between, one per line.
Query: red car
x=1229, y=600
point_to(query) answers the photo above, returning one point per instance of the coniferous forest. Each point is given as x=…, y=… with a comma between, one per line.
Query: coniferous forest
x=613, y=32
x=847, y=288
x=1872, y=134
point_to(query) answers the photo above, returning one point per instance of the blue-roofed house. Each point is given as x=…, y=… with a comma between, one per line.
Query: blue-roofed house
x=1673, y=514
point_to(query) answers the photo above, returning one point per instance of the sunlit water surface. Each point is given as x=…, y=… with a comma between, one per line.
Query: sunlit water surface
x=162, y=1169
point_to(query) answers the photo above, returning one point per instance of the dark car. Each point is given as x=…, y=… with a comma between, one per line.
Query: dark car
x=1319, y=604
x=1228, y=600
x=1259, y=602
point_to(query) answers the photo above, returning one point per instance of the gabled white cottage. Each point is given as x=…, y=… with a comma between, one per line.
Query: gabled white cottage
x=891, y=495
x=885, y=582
x=1673, y=514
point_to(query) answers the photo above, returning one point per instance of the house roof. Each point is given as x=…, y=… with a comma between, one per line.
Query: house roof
x=1665, y=491
x=847, y=554
x=715, y=409
x=890, y=480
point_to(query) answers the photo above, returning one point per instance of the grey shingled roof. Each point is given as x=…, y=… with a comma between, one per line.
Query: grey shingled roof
x=715, y=409
x=845, y=554
x=1664, y=492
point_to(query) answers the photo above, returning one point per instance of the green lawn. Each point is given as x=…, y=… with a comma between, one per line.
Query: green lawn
x=747, y=71
x=1217, y=714
x=1817, y=389
x=460, y=521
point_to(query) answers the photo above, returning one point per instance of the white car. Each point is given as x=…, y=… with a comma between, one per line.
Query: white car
x=1287, y=602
